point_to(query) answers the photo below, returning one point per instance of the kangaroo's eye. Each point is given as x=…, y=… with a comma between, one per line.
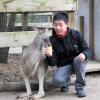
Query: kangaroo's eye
x=45, y=40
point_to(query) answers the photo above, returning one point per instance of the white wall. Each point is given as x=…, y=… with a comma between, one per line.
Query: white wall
x=83, y=10
x=97, y=29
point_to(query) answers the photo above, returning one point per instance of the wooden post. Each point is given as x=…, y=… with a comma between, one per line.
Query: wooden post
x=3, y=22
x=11, y=24
x=82, y=24
x=3, y=28
x=24, y=21
x=91, y=25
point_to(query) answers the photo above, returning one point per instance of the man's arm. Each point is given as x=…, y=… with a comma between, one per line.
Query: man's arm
x=83, y=47
x=51, y=54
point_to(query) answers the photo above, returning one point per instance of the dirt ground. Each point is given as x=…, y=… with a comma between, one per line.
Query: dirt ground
x=92, y=88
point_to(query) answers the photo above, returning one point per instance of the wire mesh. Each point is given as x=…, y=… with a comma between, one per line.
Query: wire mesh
x=10, y=56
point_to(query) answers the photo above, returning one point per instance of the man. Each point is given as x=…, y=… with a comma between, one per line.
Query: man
x=69, y=52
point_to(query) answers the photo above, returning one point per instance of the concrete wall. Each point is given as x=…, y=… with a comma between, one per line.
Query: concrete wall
x=97, y=29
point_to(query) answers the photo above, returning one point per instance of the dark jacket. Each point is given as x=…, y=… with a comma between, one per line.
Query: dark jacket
x=67, y=48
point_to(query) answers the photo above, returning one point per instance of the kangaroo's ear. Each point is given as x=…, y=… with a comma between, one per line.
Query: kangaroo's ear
x=41, y=29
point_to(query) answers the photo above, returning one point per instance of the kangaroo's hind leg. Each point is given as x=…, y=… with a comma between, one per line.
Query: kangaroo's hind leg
x=28, y=88
x=41, y=75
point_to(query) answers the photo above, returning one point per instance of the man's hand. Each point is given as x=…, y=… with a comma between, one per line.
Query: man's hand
x=47, y=51
x=81, y=56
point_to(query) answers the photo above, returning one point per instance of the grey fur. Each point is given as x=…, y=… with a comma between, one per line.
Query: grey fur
x=33, y=60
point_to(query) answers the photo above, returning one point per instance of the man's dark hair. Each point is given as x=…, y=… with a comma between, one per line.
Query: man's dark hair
x=61, y=16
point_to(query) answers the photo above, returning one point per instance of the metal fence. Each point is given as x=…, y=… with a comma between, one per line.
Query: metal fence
x=10, y=56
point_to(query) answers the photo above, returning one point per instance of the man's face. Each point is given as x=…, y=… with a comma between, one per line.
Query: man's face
x=60, y=27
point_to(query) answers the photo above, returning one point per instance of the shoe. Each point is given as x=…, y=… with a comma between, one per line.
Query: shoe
x=64, y=89
x=81, y=93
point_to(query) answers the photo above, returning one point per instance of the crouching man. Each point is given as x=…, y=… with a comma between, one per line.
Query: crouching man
x=69, y=52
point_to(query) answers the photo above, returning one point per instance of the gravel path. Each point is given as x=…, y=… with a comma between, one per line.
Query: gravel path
x=93, y=91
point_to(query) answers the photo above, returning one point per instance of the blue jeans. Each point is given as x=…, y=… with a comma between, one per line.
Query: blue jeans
x=62, y=74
